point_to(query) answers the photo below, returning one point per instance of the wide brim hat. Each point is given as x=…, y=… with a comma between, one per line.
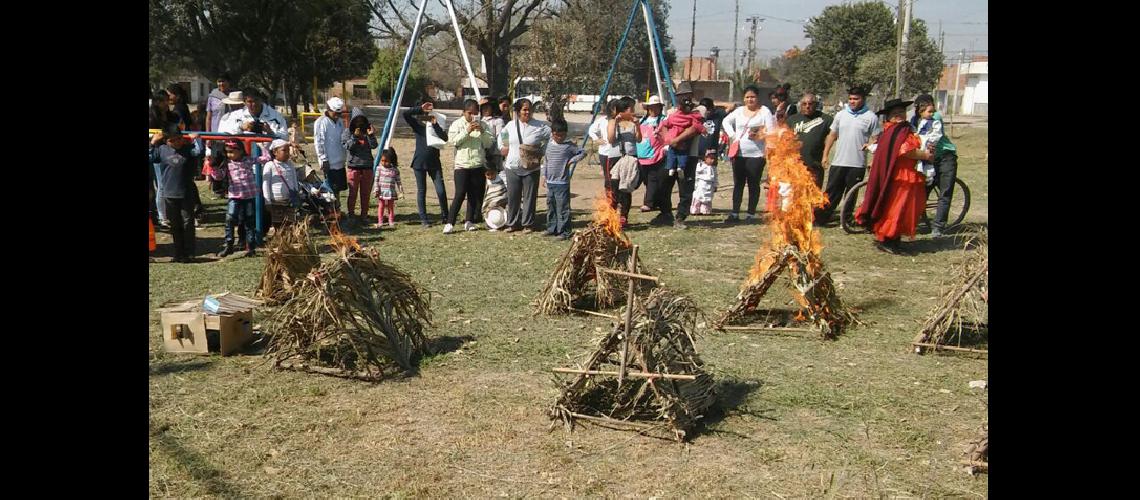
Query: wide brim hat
x=495, y=218
x=893, y=103
x=236, y=97
x=684, y=88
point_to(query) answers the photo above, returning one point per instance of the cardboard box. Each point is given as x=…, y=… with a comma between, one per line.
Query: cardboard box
x=186, y=328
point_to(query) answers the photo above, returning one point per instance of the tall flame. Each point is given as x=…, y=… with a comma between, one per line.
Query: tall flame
x=793, y=197
x=606, y=216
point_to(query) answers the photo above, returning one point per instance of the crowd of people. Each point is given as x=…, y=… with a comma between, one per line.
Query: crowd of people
x=503, y=155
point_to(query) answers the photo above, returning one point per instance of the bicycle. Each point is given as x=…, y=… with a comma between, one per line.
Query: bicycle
x=959, y=205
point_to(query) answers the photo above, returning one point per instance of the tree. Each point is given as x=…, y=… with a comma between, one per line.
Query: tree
x=572, y=55
x=856, y=45
x=492, y=26
x=385, y=74
x=268, y=46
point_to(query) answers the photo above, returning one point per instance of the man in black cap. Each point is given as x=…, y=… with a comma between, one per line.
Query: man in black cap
x=853, y=130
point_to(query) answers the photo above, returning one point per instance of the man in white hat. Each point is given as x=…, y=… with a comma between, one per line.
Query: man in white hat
x=327, y=133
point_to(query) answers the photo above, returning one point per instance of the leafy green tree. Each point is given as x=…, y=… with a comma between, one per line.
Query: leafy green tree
x=385, y=73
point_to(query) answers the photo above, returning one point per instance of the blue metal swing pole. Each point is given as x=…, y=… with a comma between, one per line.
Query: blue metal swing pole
x=660, y=53
x=609, y=78
x=398, y=92
x=258, y=205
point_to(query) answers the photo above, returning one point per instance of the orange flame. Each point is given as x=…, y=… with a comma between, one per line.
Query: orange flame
x=793, y=197
x=340, y=241
x=606, y=216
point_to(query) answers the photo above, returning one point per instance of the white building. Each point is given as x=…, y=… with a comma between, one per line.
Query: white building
x=976, y=96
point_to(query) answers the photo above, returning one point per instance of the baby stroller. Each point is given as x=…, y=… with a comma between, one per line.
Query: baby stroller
x=315, y=195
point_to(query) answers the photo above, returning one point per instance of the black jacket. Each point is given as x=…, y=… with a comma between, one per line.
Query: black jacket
x=426, y=157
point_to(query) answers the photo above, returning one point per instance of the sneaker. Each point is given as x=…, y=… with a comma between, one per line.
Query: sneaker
x=680, y=174
x=564, y=236
x=226, y=250
x=732, y=219
x=888, y=246
x=377, y=226
x=425, y=224
x=661, y=220
x=679, y=224
x=198, y=223
x=447, y=228
x=250, y=253
x=164, y=223
x=645, y=208
x=469, y=226
x=510, y=229
x=749, y=217
x=527, y=230
x=936, y=233
x=493, y=230
x=550, y=232
x=392, y=224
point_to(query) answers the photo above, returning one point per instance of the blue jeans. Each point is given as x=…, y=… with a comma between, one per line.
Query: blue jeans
x=239, y=213
x=421, y=192
x=558, y=209
x=945, y=171
x=160, y=205
x=674, y=160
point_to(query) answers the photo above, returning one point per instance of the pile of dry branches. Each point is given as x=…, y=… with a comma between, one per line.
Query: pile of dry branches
x=964, y=299
x=978, y=453
x=355, y=316
x=289, y=257
x=661, y=342
x=815, y=293
x=576, y=274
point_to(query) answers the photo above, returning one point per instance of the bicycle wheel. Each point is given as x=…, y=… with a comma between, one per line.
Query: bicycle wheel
x=847, y=207
x=959, y=203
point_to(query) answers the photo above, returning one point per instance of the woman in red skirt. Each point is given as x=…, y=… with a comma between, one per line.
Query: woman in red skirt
x=896, y=190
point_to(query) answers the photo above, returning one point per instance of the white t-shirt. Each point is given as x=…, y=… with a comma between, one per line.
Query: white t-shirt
x=737, y=124
x=854, y=131
x=599, y=131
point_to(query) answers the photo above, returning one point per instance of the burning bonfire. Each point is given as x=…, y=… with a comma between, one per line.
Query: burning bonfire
x=665, y=390
x=793, y=245
x=964, y=304
x=290, y=256
x=601, y=244
x=355, y=316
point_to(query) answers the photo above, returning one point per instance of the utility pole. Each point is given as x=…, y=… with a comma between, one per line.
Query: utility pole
x=941, y=46
x=752, y=39
x=735, y=31
x=957, y=78
x=900, y=54
x=692, y=42
x=905, y=47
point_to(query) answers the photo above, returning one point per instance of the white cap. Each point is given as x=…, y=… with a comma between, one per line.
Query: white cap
x=277, y=143
x=336, y=104
x=653, y=100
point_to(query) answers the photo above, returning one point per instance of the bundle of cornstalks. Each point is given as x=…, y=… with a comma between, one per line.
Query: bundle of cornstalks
x=978, y=453
x=289, y=257
x=576, y=274
x=815, y=294
x=666, y=389
x=355, y=316
x=964, y=299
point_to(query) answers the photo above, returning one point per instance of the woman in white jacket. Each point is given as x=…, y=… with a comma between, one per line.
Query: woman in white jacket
x=747, y=126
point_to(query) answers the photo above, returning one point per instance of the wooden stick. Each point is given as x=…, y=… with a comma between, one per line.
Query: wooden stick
x=669, y=376
x=628, y=275
x=629, y=298
x=613, y=421
x=592, y=313
x=949, y=347
x=769, y=329
x=981, y=465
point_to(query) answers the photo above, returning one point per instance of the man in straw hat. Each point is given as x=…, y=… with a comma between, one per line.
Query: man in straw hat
x=896, y=192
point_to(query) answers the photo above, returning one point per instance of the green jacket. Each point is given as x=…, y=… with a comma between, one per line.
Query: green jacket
x=470, y=148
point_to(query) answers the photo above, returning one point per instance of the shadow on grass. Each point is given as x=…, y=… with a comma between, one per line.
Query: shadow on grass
x=193, y=463
x=873, y=303
x=179, y=365
x=445, y=344
x=730, y=396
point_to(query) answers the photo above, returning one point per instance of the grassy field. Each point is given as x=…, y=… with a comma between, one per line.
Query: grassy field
x=858, y=416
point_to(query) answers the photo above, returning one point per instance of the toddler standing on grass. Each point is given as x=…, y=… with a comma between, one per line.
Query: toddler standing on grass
x=242, y=194
x=705, y=184
x=387, y=188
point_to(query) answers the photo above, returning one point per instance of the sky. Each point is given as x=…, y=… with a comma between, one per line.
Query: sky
x=964, y=22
